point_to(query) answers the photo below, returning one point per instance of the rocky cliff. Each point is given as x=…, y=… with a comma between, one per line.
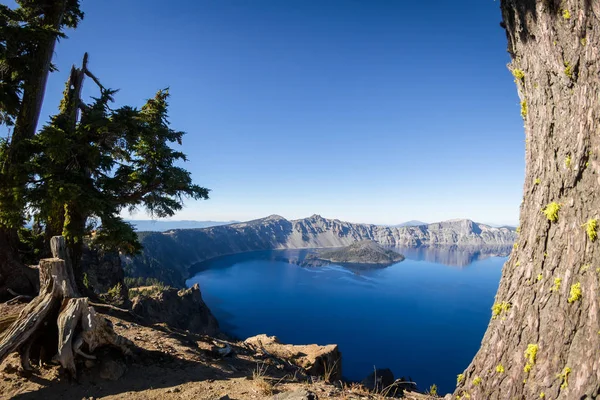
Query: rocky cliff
x=167, y=256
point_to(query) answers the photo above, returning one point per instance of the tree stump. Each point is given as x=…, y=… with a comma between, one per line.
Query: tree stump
x=59, y=305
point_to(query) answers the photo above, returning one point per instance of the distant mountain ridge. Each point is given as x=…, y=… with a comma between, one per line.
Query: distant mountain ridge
x=142, y=225
x=168, y=256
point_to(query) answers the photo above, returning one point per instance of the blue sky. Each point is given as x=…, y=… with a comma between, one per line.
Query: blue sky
x=367, y=111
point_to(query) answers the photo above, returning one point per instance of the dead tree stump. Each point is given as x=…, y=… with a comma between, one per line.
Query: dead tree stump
x=59, y=305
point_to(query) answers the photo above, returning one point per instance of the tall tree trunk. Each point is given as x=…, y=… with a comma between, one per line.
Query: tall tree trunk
x=13, y=274
x=543, y=340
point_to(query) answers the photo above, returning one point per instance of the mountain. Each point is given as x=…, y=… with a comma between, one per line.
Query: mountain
x=166, y=225
x=169, y=255
x=412, y=222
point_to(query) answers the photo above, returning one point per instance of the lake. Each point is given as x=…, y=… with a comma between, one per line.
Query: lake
x=423, y=318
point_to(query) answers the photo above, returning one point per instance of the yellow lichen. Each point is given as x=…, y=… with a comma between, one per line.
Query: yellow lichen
x=566, y=14
x=540, y=277
x=591, y=228
x=538, y=181
x=530, y=355
x=459, y=378
x=556, y=286
x=499, y=369
x=542, y=395
x=477, y=381
x=551, y=211
x=499, y=308
x=518, y=74
x=568, y=161
x=568, y=70
x=575, y=293
x=564, y=377
x=524, y=108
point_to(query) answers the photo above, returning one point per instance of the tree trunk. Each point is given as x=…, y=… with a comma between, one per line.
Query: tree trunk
x=543, y=340
x=57, y=305
x=13, y=274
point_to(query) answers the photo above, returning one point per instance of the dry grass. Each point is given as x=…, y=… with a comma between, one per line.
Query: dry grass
x=329, y=370
x=264, y=386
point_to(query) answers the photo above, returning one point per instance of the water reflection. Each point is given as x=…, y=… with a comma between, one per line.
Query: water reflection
x=454, y=256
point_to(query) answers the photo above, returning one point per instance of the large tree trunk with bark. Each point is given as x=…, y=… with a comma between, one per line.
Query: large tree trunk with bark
x=543, y=340
x=57, y=312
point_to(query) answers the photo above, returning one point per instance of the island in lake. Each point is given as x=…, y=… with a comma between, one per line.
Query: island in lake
x=364, y=253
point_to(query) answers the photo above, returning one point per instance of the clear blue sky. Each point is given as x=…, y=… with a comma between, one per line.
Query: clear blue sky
x=367, y=111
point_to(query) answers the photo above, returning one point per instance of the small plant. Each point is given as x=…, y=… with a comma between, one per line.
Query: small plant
x=566, y=14
x=551, y=211
x=530, y=355
x=518, y=74
x=556, y=286
x=459, y=378
x=329, y=371
x=564, y=377
x=433, y=390
x=260, y=381
x=575, y=293
x=568, y=161
x=86, y=281
x=591, y=228
x=498, y=308
x=568, y=70
x=524, y=109
x=499, y=369
x=477, y=381
x=537, y=181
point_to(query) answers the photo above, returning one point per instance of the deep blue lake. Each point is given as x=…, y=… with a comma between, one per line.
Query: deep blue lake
x=424, y=317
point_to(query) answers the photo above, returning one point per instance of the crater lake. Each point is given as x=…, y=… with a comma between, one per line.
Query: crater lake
x=423, y=318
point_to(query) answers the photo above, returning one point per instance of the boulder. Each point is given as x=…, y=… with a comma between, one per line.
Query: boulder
x=182, y=309
x=314, y=359
x=300, y=394
x=382, y=381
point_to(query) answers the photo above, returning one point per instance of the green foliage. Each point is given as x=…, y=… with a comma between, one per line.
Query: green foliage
x=575, y=293
x=556, y=286
x=551, y=211
x=112, y=160
x=86, y=281
x=499, y=308
x=564, y=377
x=530, y=355
x=591, y=228
x=524, y=109
x=140, y=281
x=27, y=31
x=31, y=244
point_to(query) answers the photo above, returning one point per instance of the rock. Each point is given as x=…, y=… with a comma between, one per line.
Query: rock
x=183, y=309
x=112, y=370
x=314, y=359
x=300, y=394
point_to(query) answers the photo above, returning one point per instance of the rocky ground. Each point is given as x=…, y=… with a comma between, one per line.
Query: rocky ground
x=168, y=363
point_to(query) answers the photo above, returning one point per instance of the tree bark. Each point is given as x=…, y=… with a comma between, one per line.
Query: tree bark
x=58, y=304
x=543, y=340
